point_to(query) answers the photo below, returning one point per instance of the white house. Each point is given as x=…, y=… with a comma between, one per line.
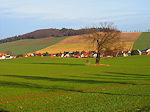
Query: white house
x=62, y=55
x=140, y=53
x=3, y=57
x=67, y=55
x=148, y=50
x=95, y=55
x=82, y=56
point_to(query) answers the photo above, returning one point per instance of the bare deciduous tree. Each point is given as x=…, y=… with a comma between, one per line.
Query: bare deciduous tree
x=101, y=40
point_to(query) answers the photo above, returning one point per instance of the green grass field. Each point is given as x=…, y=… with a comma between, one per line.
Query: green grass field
x=143, y=42
x=44, y=84
x=29, y=45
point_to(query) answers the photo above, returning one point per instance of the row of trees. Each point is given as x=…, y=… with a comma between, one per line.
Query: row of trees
x=132, y=31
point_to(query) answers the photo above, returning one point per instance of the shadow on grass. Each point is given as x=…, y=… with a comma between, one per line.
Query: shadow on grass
x=120, y=76
x=106, y=77
x=128, y=74
x=67, y=80
x=70, y=64
x=120, y=94
x=1, y=110
x=34, y=86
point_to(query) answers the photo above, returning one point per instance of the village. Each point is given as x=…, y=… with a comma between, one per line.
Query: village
x=77, y=54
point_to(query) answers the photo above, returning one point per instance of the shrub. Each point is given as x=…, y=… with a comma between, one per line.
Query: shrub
x=46, y=54
x=83, y=52
x=77, y=52
x=135, y=52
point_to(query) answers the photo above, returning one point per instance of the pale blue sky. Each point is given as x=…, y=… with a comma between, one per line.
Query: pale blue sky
x=23, y=16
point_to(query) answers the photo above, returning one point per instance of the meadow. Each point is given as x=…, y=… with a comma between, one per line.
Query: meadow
x=29, y=45
x=45, y=84
x=142, y=42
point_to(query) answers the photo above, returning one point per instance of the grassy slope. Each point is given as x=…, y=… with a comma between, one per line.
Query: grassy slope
x=45, y=84
x=53, y=45
x=143, y=42
x=29, y=45
x=74, y=43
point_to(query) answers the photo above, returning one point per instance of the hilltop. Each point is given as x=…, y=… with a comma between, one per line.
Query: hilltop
x=44, y=33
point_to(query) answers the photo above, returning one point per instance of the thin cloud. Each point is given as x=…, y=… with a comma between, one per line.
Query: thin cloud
x=72, y=13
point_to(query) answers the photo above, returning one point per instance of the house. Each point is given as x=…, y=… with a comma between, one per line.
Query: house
x=2, y=54
x=9, y=57
x=140, y=53
x=84, y=55
x=53, y=55
x=67, y=55
x=2, y=57
x=145, y=52
x=71, y=54
x=95, y=55
x=39, y=54
x=125, y=54
x=32, y=54
x=24, y=55
x=62, y=55
x=77, y=56
x=129, y=53
x=148, y=51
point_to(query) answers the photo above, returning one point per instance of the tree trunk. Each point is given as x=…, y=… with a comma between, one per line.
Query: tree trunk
x=98, y=58
x=98, y=53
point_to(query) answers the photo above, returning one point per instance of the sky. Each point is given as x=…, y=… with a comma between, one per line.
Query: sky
x=23, y=16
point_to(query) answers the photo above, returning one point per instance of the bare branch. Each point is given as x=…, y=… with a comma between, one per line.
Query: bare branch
x=103, y=36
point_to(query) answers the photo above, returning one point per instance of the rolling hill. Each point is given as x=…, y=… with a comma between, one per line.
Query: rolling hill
x=74, y=43
x=44, y=33
x=29, y=45
x=61, y=44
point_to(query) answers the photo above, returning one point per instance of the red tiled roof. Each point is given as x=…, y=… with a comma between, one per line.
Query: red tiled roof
x=85, y=54
x=2, y=54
